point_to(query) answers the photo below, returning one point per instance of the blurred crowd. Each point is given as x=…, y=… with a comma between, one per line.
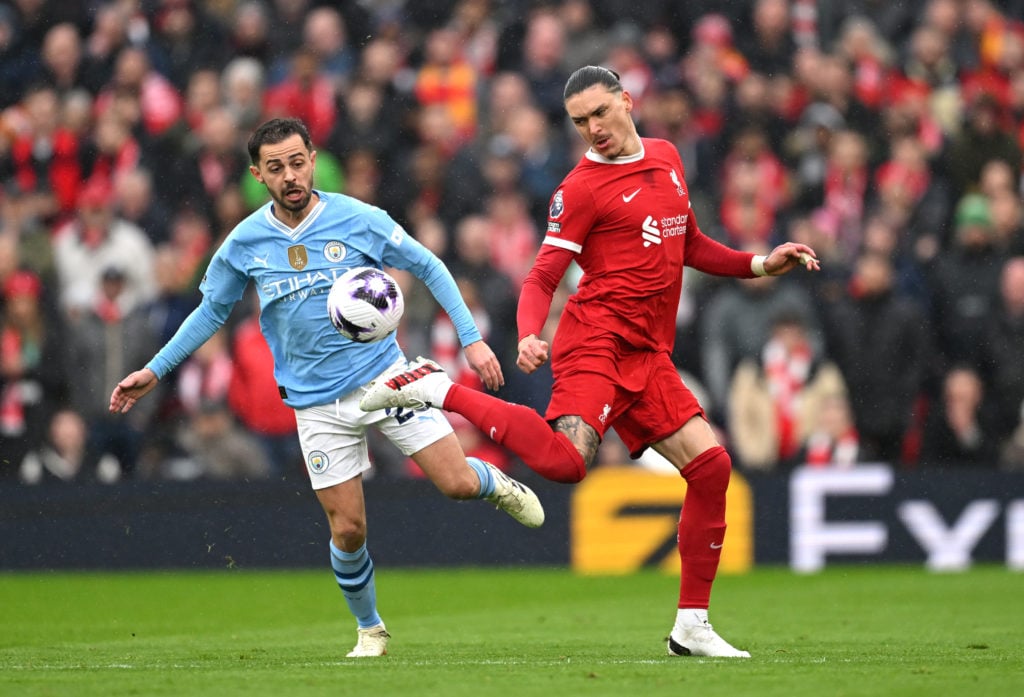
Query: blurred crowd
x=887, y=135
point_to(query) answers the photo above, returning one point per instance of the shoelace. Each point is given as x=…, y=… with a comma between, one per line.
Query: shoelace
x=402, y=379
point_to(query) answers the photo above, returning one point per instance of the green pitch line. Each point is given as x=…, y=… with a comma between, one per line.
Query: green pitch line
x=850, y=631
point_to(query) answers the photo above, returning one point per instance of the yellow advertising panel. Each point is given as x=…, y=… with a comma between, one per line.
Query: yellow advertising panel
x=626, y=518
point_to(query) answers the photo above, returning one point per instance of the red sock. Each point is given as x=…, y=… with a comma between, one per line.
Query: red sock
x=702, y=525
x=522, y=430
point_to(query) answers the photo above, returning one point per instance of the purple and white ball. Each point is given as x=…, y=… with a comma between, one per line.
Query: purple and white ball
x=365, y=304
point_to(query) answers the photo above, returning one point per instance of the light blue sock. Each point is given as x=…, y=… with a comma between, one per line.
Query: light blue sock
x=354, y=572
x=484, y=473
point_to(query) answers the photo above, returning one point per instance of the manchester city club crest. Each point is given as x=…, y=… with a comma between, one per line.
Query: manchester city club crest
x=297, y=256
x=557, y=205
x=317, y=462
x=334, y=251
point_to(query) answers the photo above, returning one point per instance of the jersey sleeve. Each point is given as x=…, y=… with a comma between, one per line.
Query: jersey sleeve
x=539, y=287
x=401, y=251
x=198, y=327
x=713, y=257
x=572, y=213
x=224, y=282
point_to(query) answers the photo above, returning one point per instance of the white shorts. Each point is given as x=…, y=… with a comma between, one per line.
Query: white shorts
x=333, y=436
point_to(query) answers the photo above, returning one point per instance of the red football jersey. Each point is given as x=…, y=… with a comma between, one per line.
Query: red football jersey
x=629, y=225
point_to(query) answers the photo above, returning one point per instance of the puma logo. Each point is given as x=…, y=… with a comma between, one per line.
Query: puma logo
x=630, y=197
x=263, y=261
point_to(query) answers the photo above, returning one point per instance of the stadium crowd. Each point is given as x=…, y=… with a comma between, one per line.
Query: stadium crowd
x=887, y=136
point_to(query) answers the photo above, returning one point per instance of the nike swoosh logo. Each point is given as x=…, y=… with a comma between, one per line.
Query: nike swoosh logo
x=494, y=431
x=629, y=198
x=714, y=546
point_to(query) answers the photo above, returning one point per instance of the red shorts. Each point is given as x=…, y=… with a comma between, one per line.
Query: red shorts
x=608, y=383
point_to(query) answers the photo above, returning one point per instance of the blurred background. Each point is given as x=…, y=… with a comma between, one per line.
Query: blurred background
x=886, y=135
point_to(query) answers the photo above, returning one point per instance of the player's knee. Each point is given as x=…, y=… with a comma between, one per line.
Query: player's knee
x=710, y=470
x=562, y=461
x=571, y=473
x=348, y=533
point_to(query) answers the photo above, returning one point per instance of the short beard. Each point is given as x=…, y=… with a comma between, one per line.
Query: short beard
x=296, y=207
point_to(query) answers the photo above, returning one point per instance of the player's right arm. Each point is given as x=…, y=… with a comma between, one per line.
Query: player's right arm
x=572, y=213
x=195, y=331
x=222, y=287
x=535, y=304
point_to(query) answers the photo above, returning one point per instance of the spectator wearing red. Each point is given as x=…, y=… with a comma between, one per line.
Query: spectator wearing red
x=32, y=378
x=846, y=188
x=45, y=157
x=870, y=58
x=255, y=400
x=306, y=93
x=159, y=102
x=117, y=151
x=833, y=441
x=713, y=47
x=754, y=187
x=775, y=398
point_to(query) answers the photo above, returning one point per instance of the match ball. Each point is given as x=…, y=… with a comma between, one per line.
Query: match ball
x=365, y=304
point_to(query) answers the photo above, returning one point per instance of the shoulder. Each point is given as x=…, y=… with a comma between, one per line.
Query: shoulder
x=346, y=207
x=661, y=149
x=583, y=177
x=252, y=225
x=657, y=145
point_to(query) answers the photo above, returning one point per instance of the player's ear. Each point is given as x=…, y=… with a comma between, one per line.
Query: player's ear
x=312, y=158
x=255, y=171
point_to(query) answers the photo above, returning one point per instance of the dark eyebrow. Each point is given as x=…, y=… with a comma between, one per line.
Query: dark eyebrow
x=292, y=156
x=593, y=112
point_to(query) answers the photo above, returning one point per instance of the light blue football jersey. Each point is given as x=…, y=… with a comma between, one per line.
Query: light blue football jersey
x=293, y=270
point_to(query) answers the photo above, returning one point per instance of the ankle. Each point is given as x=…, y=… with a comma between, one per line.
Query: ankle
x=440, y=393
x=691, y=617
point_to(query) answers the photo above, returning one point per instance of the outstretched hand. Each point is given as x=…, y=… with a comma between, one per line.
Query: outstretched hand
x=130, y=389
x=788, y=256
x=482, y=360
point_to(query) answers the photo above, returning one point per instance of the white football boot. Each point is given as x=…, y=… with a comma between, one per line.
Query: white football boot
x=516, y=499
x=373, y=641
x=423, y=384
x=698, y=638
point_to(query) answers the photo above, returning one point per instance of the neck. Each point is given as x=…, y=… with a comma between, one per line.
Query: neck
x=632, y=146
x=292, y=218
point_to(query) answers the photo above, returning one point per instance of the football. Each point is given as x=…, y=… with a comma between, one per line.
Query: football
x=365, y=304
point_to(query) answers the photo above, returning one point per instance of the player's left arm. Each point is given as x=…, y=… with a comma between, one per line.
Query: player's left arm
x=713, y=257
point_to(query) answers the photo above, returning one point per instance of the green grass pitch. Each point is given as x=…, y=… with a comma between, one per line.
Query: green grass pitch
x=848, y=631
